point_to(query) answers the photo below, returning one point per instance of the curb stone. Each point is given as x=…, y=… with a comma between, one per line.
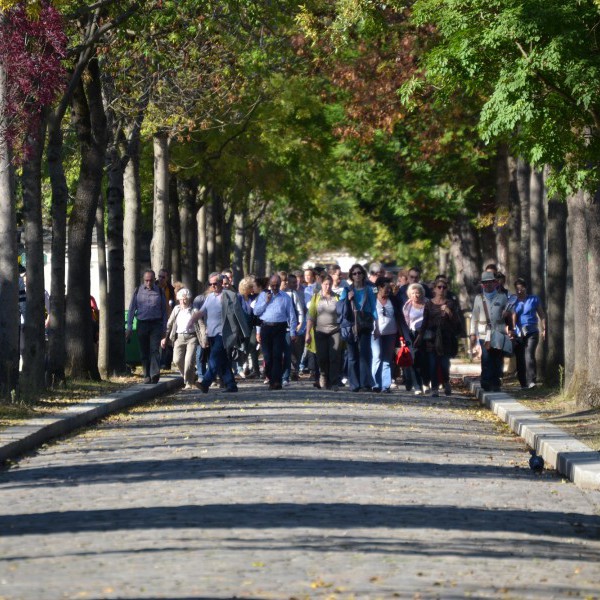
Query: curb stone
x=16, y=441
x=570, y=457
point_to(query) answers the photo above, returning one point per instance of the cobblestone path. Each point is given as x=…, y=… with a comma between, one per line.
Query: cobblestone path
x=295, y=494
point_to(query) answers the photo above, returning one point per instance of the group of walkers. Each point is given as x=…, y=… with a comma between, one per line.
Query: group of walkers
x=370, y=332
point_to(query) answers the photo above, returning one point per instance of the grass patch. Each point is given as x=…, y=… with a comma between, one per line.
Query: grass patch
x=14, y=413
x=562, y=410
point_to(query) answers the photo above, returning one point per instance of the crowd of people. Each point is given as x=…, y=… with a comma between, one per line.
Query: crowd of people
x=370, y=331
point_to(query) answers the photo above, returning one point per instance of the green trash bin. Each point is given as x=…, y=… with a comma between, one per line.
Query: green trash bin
x=132, y=349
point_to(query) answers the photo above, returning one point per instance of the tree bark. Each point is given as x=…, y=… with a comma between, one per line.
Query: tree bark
x=90, y=121
x=537, y=221
x=523, y=181
x=557, y=289
x=174, y=230
x=464, y=250
x=9, y=273
x=33, y=381
x=187, y=192
x=159, y=247
x=578, y=250
x=132, y=213
x=209, y=213
x=514, y=224
x=219, y=226
x=238, y=247
x=202, y=245
x=111, y=318
x=103, y=325
x=593, y=330
x=502, y=208
x=260, y=253
x=55, y=368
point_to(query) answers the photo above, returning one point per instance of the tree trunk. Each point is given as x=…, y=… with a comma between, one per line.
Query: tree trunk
x=523, y=182
x=514, y=225
x=228, y=218
x=103, y=335
x=537, y=220
x=238, y=247
x=90, y=121
x=464, y=250
x=174, y=230
x=219, y=225
x=132, y=215
x=556, y=232
x=55, y=367
x=202, y=245
x=9, y=273
x=248, y=245
x=502, y=208
x=159, y=247
x=578, y=250
x=32, y=381
x=187, y=192
x=260, y=254
x=593, y=322
x=112, y=318
x=209, y=214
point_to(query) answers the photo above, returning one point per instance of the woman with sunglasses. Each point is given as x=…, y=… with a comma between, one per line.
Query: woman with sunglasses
x=388, y=324
x=438, y=336
x=358, y=298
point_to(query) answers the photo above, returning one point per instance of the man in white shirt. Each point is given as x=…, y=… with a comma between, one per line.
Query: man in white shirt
x=226, y=326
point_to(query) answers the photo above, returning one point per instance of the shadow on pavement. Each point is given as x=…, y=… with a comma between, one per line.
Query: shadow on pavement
x=313, y=515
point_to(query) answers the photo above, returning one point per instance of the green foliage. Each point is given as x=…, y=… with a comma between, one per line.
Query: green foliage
x=535, y=65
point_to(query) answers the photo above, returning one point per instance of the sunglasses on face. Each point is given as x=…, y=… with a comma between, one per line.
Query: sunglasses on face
x=214, y=284
x=356, y=273
x=442, y=287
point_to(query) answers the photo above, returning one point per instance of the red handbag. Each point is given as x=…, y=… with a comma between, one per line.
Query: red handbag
x=404, y=357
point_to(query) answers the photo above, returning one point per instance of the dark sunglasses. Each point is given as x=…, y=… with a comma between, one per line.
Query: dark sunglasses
x=356, y=273
x=215, y=284
x=442, y=287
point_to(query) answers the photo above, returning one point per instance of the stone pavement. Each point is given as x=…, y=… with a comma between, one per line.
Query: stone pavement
x=295, y=494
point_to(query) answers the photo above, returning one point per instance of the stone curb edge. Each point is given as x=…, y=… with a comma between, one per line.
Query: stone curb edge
x=570, y=457
x=16, y=441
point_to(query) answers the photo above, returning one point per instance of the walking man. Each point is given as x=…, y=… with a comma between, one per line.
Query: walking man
x=149, y=305
x=275, y=309
x=226, y=327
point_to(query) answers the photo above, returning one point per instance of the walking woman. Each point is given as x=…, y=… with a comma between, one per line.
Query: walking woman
x=438, y=336
x=526, y=308
x=323, y=334
x=183, y=339
x=418, y=374
x=355, y=309
x=388, y=324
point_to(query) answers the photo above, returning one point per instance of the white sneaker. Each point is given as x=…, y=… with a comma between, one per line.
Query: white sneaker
x=531, y=385
x=344, y=380
x=418, y=391
x=266, y=381
x=393, y=386
x=285, y=383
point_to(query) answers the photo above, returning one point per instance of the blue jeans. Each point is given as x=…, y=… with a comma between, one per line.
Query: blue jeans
x=201, y=359
x=218, y=364
x=492, y=363
x=359, y=362
x=382, y=349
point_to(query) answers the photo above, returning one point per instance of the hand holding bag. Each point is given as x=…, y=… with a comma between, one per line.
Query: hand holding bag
x=404, y=357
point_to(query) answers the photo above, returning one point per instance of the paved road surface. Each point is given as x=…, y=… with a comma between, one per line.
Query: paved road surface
x=295, y=494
